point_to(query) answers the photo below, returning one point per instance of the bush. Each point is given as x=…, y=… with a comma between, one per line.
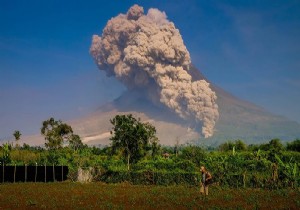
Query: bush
x=150, y=177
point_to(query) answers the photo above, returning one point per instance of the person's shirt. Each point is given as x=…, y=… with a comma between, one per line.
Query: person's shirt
x=203, y=177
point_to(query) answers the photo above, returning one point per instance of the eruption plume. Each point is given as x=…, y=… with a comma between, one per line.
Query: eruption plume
x=147, y=53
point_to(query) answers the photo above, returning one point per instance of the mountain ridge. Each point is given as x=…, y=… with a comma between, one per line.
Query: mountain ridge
x=239, y=119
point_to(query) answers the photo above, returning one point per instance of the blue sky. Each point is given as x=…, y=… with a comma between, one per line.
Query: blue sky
x=249, y=48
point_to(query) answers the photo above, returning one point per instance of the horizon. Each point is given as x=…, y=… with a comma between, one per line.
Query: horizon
x=249, y=49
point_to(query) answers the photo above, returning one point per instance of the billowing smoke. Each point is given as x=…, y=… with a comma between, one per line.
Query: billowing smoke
x=146, y=52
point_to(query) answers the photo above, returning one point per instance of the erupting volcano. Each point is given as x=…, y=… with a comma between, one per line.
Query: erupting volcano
x=147, y=54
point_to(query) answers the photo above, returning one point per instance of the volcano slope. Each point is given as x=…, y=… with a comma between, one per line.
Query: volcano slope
x=238, y=119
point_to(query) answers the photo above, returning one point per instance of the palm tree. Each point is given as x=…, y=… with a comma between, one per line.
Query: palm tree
x=17, y=135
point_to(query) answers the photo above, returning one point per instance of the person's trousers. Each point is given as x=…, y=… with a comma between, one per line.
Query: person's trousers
x=204, y=189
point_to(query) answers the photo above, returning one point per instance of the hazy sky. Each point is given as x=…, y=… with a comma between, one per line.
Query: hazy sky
x=249, y=48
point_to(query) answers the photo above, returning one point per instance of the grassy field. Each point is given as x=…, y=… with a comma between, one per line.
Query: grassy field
x=69, y=195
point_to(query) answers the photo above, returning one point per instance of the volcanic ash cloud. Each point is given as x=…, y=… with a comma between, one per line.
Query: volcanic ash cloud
x=147, y=53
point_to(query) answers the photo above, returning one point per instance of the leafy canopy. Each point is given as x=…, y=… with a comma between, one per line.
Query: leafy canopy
x=17, y=135
x=132, y=137
x=55, y=133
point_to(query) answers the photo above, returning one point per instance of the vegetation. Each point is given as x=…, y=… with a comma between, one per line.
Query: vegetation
x=132, y=137
x=159, y=177
x=75, y=142
x=294, y=146
x=17, y=135
x=233, y=164
x=254, y=167
x=56, y=132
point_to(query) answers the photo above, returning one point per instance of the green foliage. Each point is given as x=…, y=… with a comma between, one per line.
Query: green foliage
x=6, y=149
x=17, y=135
x=55, y=133
x=193, y=153
x=237, y=145
x=151, y=177
x=265, y=166
x=21, y=157
x=75, y=142
x=165, y=165
x=274, y=145
x=133, y=137
x=289, y=172
x=294, y=145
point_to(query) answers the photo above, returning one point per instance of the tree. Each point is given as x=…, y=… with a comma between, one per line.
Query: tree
x=155, y=146
x=193, y=153
x=276, y=145
x=132, y=137
x=176, y=147
x=75, y=142
x=227, y=146
x=6, y=148
x=273, y=145
x=294, y=146
x=237, y=145
x=17, y=135
x=55, y=133
x=240, y=145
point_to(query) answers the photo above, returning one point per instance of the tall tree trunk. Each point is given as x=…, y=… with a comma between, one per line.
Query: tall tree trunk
x=128, y=159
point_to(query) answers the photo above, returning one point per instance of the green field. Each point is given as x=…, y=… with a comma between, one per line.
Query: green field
x=69, y=195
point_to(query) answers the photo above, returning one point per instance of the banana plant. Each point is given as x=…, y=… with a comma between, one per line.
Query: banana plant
x=290, y=170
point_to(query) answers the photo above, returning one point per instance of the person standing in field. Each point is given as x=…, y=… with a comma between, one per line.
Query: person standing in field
x=205, y=180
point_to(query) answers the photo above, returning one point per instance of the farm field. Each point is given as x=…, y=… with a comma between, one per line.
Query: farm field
x=69, y=195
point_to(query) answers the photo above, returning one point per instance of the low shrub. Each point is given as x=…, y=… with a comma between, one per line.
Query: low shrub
x=150, y=177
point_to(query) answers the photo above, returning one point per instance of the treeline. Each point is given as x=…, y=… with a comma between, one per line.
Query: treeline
x=233, y=164
x=136, y=156
x=273, y=145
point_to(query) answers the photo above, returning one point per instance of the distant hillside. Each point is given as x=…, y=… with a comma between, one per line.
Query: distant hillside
x=239, y=119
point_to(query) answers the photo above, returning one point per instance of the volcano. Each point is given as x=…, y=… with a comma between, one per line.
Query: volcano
x=146, y=53
x=238, y=119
